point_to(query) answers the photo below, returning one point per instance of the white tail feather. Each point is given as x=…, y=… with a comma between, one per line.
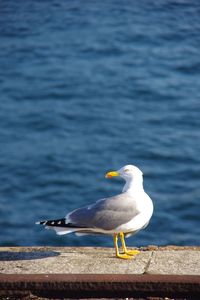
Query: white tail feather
x=81, y=233
x=61, y=230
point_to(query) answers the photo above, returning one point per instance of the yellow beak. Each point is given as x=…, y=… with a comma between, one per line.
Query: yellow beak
x=112, y=174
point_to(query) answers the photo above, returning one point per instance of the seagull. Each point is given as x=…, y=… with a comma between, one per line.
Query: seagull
x=120, y=216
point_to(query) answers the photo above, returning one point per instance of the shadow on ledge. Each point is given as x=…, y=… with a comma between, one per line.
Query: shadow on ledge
x=12, y=256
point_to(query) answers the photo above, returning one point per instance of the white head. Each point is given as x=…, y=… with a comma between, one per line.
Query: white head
x=131, y=174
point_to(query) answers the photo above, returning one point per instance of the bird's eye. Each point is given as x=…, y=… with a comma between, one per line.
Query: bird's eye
x=126, y=170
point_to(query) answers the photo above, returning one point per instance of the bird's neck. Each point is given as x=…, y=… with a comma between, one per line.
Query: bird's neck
x=133, y=185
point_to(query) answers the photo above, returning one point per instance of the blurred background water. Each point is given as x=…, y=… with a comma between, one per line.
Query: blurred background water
x=87, y=87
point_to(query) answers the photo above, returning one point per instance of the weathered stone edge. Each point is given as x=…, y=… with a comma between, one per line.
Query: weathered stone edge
x=83, y=286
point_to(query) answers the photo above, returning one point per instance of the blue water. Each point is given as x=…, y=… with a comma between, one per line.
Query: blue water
x=87, y=87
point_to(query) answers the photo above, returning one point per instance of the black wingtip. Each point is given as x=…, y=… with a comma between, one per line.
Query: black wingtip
x=40, y=222
x=57, y=223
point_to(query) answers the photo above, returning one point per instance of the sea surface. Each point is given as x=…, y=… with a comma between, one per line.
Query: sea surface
x=90, y=86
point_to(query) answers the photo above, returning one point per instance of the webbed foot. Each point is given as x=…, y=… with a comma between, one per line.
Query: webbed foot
x=132, y=252
x=123, y=256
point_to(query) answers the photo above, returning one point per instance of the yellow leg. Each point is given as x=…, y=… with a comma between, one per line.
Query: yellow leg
x=128, y=252
x=124, y=255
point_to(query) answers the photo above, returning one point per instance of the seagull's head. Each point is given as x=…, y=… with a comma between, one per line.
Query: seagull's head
x=128, y=173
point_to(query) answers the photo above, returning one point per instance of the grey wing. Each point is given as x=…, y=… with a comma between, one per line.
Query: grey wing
x=106, y=214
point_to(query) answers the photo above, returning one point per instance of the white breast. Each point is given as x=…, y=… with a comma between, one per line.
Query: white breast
x=145, y=206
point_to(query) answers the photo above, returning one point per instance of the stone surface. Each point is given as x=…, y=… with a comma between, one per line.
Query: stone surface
x=88, y=260
x=182, y=262
x=69, y=260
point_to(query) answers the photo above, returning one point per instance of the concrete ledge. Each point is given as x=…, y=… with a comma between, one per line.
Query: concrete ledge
x=63, y=273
